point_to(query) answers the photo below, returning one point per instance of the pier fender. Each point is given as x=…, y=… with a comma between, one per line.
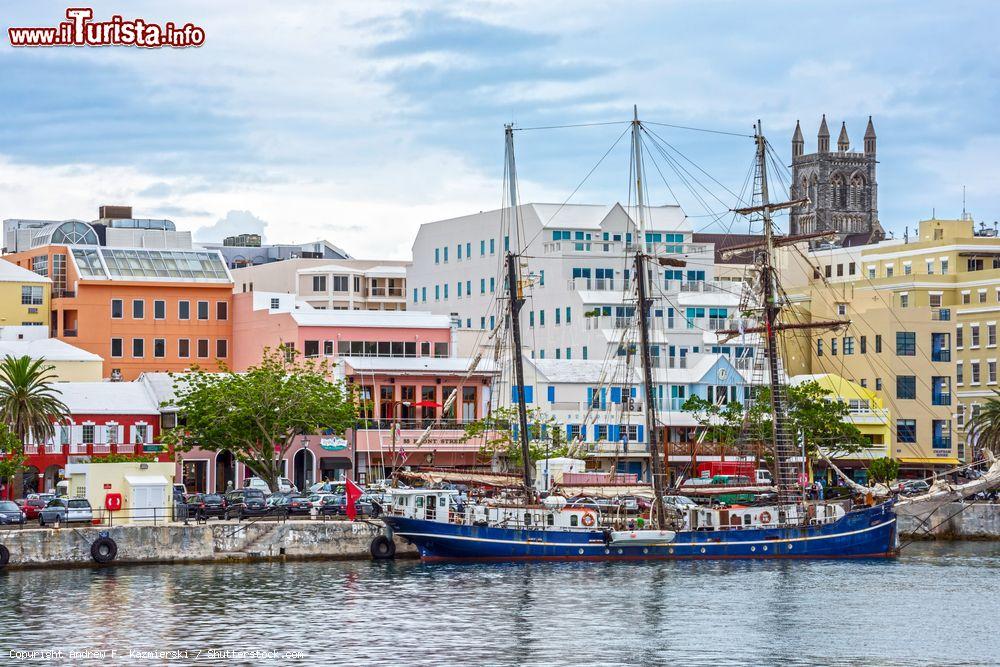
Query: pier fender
x=104, y=549
x=383, y=548
x=4, y=555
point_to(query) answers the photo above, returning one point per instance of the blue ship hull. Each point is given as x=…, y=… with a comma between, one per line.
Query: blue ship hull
x=864, y=533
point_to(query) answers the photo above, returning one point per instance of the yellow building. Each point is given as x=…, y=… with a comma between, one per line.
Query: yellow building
x=867, y=413
x=24, y=296
x=69, y=363
x=146, y=489
x=906, y=301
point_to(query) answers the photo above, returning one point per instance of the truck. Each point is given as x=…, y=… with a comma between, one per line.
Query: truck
x=748, y=469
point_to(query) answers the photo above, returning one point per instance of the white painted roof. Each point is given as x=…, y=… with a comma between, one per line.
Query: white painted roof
x=12, y=273
x=591, y=216
x=708, y=299
x=403, y=319
x=131, y=398
x=51, y=349
x=573, y=371
x=415, y=364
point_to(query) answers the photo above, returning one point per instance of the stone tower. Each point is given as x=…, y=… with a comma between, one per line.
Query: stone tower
x=840, y=185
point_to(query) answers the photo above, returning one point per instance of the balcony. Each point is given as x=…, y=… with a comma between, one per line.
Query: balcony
x=77, y=449
x=940, y=398
x=708, y=286
x=393, y=292
x=31, y=449
x=940, y=355
x=54, y=448
x=101, y=448
x=941, y=314
x=412, y=424
x=941, y=443
x=125, y=448
x=617, y=449
x=863, y=415
x=677, y=362
x=594, y=284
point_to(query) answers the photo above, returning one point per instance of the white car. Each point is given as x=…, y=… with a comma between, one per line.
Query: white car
x=284, y=485
x=680, y=503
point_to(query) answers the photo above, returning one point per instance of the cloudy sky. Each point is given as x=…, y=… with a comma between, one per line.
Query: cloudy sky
x=357, y=121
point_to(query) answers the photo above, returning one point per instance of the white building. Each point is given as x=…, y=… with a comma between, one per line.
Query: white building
x=582, y=297
x=349, y=284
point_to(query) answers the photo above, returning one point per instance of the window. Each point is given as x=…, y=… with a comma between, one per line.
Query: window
x=440, y=350
x=878, y=343
x=311, y=348
x=940, y=347
x=904, y=300
x=319, y=283
x=864, y=345
x=159, y=310
x=991, y=335
x=423, y=294
x=558, y=316
x=437, y=255
x=446, y=291
x=583, y=352
x=906, y=344
x=848, y=345
x=828, y=271
x=833, y=347
x=930, y=267
x=819, y=347
x=459, y=252
x=31, y=295
x=842, y=309
x=851, y=268
x=184, y=309
x=88, y=433
x=959, y=337
x=934, y=300
x=568, y=316
x=141, y=433
x=888, y=271
x=941, y=390
x=906, y=430
x=221, y=310
x=878, y=384
x=340, y=284
x=541, y=318
x=974, y=372
x=973, y=335
x=138, y=348
x=116, y=347
x=328, y=348
x=907, y=268
x=159, y=348
x=492, y=241
x=203, y=310
x=183, y=348
x=112, y=431
x=138, y=309
x=871, y=272
x=941, y=433
x=982, y=296
x=222, y=348
x=959, y=373
x=975, y=265
x=906, y=387
x=944, y=266
x=840, y=270
x=203, y=348
x=482, y=247
x=492, y=286
x=117, y=309
x=445, y=253
x=991, y=372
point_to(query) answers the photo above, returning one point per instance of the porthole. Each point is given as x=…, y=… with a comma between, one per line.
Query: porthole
x=703, y=549
x=789, y=545
x=753, y=548
x=620, y=552
x=764, y=547
x=646, y=551
x=670, y=550
x=607, y=551
x=581, y=552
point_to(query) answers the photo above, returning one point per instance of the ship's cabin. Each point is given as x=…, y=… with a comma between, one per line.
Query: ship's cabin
x=738, y=517
x=428, y=504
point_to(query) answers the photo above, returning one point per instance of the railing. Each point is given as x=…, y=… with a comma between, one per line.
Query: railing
x=78, y=448
x=385, y=291
x=125, y=448
x=31, y=449
x=940, y=398
x=940, y=355
x=70, y=333
x=670, y=404
x=63, y=293
x=53, y=448
x=413, y=424
x=941, y=314
x=677, y=362
x=708, y=286
x=595, y=284
x=941, y=443
x=617, y=448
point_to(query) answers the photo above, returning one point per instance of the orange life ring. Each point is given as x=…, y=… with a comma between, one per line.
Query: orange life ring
x=588, y=520
x=765, y=517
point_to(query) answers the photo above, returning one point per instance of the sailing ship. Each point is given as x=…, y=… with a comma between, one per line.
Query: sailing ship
x=551, y=529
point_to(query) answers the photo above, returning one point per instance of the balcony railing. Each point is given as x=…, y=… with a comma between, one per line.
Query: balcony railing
x=941, y=443
x=940, y=355
x=77, y=448
x=99, y=448
x=677, y=362
x=125, y=448
x=386, y=291
x=617, y=448
x=595, y=284
x=413, y=424
x=31, y=449
x=53, y=448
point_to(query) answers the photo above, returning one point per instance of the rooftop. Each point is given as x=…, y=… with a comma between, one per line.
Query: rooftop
x=12, y=273
x=393, y=319
x=108, y=398
x=416, y=365
x=51, y=349
x=102, y=263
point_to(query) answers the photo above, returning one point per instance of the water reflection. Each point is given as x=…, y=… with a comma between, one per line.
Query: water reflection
x=935, y=605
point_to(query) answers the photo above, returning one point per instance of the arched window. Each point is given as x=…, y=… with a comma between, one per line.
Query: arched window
x=839, y=187
x=858, y=198
x=813, y=191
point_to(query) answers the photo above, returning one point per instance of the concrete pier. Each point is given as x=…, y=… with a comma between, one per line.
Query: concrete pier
x=215, y=541
x=977, y=521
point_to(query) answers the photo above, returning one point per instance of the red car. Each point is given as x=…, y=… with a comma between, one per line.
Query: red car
x=31, y=507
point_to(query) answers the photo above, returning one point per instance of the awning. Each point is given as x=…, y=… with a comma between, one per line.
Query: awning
x=335, y=463
x=463, y=477
x=146, y=480
x=930, y=461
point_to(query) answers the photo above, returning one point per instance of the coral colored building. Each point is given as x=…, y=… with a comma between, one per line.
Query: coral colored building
x=105, y=418
x=139, y=309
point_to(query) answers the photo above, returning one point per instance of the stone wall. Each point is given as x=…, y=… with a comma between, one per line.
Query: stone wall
x=68, y=546
x=949, y=521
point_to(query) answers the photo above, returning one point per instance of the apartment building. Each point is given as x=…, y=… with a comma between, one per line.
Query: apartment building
x=24, y=297
x=915, y=306
x=581, y=298
x=349, y=284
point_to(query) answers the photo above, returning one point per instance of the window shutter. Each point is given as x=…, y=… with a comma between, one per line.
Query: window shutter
x=616, y=394
x=640, y=434
x=77, y=435
x=131, y=434
x=590, y=396
x=583, y=431
x=121, y=434
x=99, y=437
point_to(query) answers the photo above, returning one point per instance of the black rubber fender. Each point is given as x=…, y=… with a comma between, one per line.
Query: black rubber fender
x=383, y=548
x=4, y=555
x=103, y=550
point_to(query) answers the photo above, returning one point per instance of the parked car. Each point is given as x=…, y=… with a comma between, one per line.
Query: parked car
x=66, y=510
x=337, y=506
x=912, y=487
x=206, y=504
x=257, y=483
x=31, y=506
x=244, y=503
x=298, y=505
x=320, y=499
x=10, y=513
x=327, y=487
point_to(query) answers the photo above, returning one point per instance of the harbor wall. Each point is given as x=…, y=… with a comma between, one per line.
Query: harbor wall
x=70, y=546
x=977, y=521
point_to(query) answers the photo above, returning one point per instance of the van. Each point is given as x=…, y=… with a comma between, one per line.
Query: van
x=257, y=483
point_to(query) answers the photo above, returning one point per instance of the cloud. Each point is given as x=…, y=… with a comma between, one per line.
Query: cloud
x=235, y=222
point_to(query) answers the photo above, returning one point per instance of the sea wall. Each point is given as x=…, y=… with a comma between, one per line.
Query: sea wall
x=978, y=521
x=215, y=541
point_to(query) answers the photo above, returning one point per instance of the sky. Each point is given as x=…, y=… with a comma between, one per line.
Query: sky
x=358, y=121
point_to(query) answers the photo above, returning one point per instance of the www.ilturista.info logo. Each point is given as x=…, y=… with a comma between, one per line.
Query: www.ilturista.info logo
x=80, y=30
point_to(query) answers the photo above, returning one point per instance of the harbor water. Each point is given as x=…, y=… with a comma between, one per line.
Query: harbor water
x=937, y=604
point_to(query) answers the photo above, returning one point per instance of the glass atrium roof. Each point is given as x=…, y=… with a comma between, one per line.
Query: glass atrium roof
x=141, y=264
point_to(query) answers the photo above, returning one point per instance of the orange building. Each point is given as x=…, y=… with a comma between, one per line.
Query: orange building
x=140, y=309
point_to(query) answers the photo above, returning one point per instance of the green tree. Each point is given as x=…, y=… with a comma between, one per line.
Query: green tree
x=723, y=423
x=983, y=429
x=259, y=413
x=883, y=470
x=497, y=430
x=29, y=404
x=12, y=458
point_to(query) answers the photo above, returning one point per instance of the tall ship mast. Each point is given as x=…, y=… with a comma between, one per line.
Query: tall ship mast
x=553, y=529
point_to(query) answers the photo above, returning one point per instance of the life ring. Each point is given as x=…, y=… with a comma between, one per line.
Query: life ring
x=103, y=550
x=588, y=520
x=4, y=555
x=382, y=548
x=765, y=517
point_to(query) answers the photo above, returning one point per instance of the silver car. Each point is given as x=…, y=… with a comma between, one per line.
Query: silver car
x=66, y=510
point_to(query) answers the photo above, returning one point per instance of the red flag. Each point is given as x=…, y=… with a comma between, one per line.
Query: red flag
x=353, y=493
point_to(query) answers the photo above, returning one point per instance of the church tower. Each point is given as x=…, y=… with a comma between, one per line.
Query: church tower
x=840, y=186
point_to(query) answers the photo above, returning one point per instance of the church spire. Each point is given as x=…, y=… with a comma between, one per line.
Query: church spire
x=798, y=143
x=823, y=138
x=870, y=138
x=843, y=141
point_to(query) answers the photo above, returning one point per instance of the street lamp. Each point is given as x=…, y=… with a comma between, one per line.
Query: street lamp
x=305, y=473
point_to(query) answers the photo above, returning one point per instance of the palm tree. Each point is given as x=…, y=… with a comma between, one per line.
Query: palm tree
x=983, y=429
x=29, y=405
